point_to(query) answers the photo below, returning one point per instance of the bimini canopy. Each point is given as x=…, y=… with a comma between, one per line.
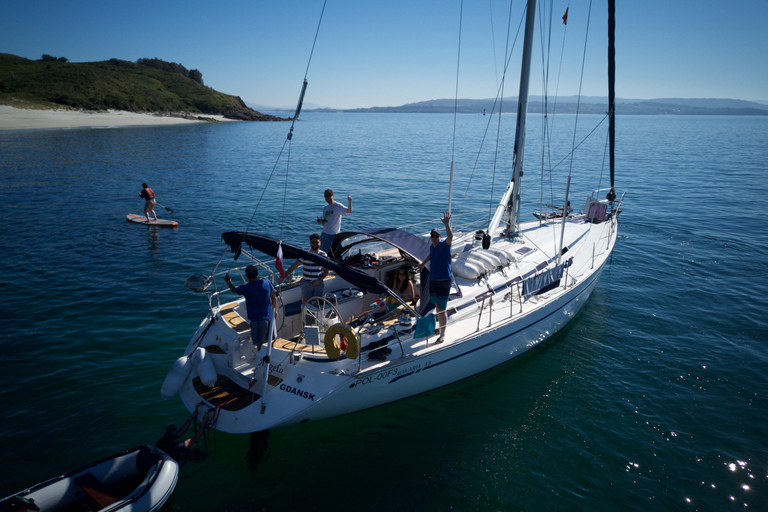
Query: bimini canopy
x=269, y=246
x=409, y=243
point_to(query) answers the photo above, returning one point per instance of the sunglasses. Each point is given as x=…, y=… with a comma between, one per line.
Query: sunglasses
x=434, y=236
x=328, y=195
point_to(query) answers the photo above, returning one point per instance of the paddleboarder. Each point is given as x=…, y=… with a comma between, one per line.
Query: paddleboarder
x=149, y=200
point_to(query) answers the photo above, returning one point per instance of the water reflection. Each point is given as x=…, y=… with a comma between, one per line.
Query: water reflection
x=153, y=238
x=257, y=449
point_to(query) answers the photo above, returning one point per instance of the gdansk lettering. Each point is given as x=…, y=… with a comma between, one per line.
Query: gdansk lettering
x=297, y=392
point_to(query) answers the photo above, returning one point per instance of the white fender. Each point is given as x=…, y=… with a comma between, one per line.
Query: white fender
x=501, y=261
x=507, y=249
x=481, y=260
x=466, y=269
x=204, y=366
x=490, y=258
x=176, y=378
x=501, y=254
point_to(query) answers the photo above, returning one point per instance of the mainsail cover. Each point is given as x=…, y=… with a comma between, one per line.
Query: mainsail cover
x=269, y=246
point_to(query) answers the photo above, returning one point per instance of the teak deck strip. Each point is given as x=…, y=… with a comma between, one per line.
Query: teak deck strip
x=299, y=347
x=225, y=394
x=237, y=322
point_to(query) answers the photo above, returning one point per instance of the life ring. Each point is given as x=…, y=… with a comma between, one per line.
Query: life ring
x=333, y=349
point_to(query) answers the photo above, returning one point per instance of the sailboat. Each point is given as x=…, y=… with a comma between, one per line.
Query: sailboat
x=516, y=284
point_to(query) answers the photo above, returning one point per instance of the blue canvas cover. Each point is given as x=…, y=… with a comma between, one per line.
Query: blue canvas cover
x=413, y=245
x=269, y=246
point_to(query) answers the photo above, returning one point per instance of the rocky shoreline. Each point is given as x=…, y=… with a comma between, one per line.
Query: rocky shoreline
x=235, y=114
x=248, y=114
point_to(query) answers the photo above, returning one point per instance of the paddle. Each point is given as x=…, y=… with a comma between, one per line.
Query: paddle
x=169, y=210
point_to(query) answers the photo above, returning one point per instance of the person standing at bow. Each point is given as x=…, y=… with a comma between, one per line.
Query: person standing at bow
x=440, y=274
x=149, y=200
x=331, y=220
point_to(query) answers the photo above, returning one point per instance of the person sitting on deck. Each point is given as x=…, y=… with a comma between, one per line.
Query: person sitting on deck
x=403, y=285
x=568, y=209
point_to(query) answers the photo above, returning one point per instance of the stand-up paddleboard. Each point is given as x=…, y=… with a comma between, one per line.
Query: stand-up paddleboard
x=140, y=219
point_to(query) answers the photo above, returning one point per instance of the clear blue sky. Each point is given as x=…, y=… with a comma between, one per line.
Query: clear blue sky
x=392, y=52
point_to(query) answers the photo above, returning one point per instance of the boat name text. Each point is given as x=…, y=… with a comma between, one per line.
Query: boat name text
x=391, y=373
x=278, y=369
x=297, y=392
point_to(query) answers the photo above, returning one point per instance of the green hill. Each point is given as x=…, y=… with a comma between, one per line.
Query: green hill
x=113, y=84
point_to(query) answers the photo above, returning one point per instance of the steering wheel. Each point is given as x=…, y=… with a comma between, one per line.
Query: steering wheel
x=280, y=322
x=323, y=313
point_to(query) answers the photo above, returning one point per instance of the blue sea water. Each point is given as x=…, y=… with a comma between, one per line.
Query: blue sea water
x=654, y=397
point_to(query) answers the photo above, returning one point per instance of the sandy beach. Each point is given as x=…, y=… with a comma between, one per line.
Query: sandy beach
x=25, y=119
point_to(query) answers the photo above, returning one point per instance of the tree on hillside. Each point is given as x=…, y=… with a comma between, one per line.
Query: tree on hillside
x=196, y=75
x=172, y=67
x=50, y=58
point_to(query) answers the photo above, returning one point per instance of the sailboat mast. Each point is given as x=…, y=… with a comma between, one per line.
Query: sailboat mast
x=611, y=88
x=509, y=207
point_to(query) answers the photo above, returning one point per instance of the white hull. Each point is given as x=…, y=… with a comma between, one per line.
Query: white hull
x=476, y=353
x=316, y=387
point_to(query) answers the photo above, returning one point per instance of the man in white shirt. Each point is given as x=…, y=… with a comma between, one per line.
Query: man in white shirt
x=331, y=221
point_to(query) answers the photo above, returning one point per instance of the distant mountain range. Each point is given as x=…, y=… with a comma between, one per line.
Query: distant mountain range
x=265, y=108
x=565, y=105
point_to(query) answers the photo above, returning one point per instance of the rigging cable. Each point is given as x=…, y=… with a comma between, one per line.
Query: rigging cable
x=545, y=57
x=493, y=41
x=497, y=101
x=455, y=108
x=581, y=83
x=507, y=58
x=290, y=132
x=573, y=151
x=551, y=125
x=286, y=142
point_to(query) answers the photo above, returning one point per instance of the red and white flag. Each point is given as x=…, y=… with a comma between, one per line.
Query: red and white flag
x=279, y=259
